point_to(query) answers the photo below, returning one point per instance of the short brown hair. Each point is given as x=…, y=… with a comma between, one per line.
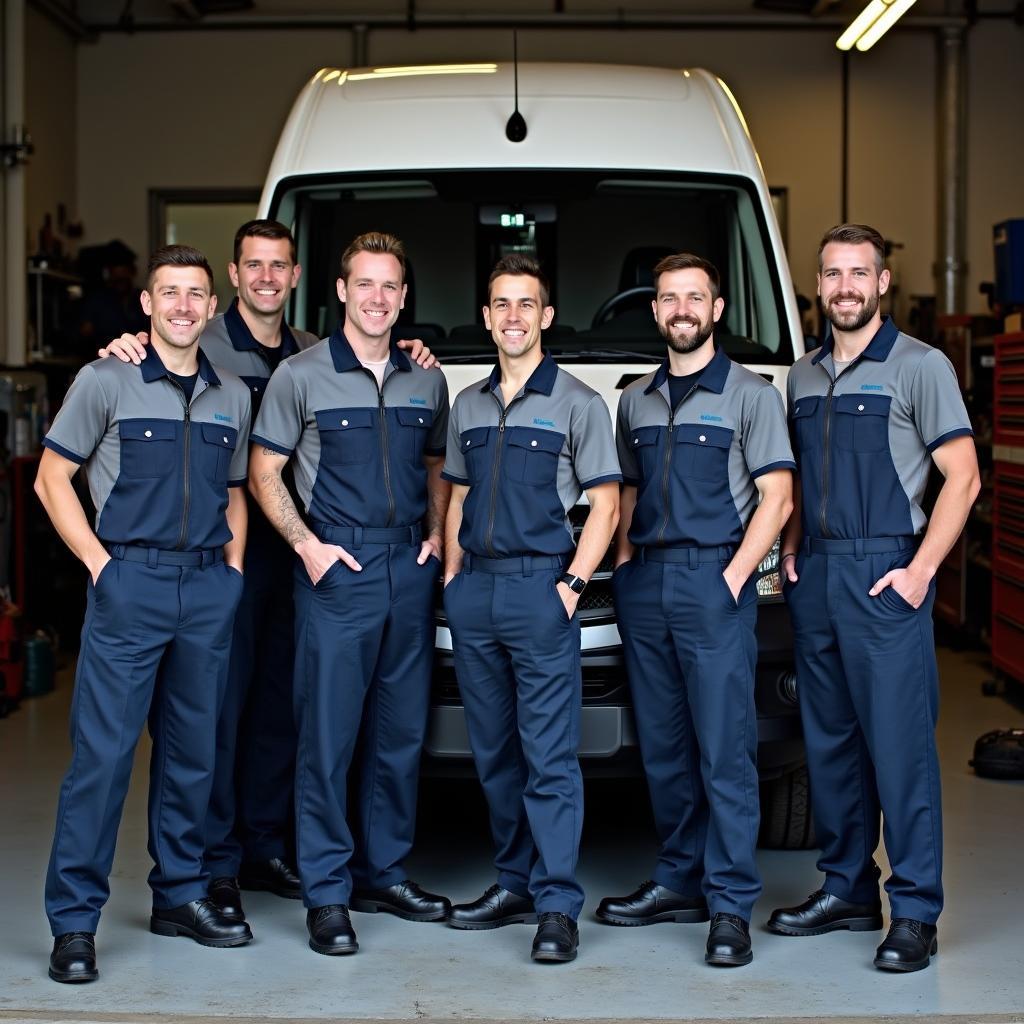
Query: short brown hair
x=378, y=242
x=517, y=264
x=272, y=229
x=177, y=256
x=854, y=234
x=687, y=261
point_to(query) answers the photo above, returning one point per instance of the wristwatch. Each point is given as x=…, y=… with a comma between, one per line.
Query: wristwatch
x=575, y=583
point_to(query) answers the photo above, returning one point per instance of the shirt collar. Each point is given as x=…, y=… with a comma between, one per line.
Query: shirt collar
x=712, y=377
x=345, y=359
x=242, y=339
x=878, y=348
x=542, y=380
x=153, y=367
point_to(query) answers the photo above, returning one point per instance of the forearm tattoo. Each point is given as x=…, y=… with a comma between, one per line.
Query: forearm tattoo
x=279, y=507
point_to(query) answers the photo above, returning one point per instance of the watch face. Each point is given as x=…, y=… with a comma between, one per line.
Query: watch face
x=574, y=583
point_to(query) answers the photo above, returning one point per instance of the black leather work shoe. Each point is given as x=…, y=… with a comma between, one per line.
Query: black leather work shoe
x=822, y=912
x=909, y=946
x=557, y=939
x=226, y=898
x=728, y=942
x=330, y=930
x=73, y=959
x=276, y=876
x=650, y=904
x=200, y=920
x=496, y=907
x=406, y=900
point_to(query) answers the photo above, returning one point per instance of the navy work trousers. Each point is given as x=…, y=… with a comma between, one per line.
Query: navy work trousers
x=251, y=807
x=691, y=652
x=517, y=660
x=364, y=651
x=155, y=643
x=869, y=696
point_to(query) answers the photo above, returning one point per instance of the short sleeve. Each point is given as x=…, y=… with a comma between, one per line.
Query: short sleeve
x=280, y=422
x=438, y=438
x=592, y=445
x=239, y=470
x=937, y=405
x=454, y=461
x=83, y=419
x=627, y=459
x=766, y=444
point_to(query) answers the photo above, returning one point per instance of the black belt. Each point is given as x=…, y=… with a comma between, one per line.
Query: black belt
x=524, y=564
x=157, y=556
x=354, y=536
x=859, y=546
x=688, y=556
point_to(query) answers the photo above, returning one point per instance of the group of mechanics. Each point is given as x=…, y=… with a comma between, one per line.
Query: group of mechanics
x=275, y=696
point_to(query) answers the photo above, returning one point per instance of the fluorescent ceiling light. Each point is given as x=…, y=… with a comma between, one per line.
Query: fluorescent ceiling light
x=872, y=23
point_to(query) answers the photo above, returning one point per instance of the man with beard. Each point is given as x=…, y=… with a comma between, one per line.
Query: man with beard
x=367, y=429
x=707, y=485
x=165, y=447
x=524, y=444
x=870, y=411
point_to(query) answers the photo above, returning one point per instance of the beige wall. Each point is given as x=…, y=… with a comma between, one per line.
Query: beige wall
x=143, y=123
x=50, y=84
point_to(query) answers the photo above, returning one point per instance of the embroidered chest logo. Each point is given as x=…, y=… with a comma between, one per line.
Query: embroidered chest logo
x=223, y=417
x=538, y=422
x=871, y=387
x=707, y=417
x=417, y=401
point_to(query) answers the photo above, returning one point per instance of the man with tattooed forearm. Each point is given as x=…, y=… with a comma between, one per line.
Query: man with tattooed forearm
x=365, y=428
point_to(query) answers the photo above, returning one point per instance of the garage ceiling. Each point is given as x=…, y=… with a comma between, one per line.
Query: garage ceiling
x=111, y=14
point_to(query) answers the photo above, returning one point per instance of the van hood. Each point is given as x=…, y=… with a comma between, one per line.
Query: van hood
x=607, y=379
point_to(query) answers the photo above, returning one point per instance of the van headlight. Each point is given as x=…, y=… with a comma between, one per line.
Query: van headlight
x=769, y=579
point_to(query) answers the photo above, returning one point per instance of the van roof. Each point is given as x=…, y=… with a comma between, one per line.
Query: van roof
x=453, y=116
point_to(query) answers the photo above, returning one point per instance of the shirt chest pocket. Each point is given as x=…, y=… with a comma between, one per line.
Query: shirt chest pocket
x=413, y=429
x=532, y=455
x=862, y=422
x=473, y=445
x=702, y=452
x=804, y=424
x=217, y=450
x=149, y=448
x=347, y=437
x=643, y=442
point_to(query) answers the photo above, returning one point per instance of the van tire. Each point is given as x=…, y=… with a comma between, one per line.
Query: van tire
x=786, y=820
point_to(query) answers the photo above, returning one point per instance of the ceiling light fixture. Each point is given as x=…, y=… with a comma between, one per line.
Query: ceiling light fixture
x=872, y=23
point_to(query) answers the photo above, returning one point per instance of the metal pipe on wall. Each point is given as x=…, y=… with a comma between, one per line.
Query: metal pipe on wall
x=13, y=299
x=951, y=164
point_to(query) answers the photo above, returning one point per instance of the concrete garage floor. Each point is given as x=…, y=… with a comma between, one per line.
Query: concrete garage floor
x=408, y=971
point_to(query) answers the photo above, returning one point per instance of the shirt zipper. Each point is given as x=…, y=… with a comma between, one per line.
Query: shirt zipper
x=667, y=463
x=826, y=453
x=384, y=443
x=489, y=538
x=187, y=498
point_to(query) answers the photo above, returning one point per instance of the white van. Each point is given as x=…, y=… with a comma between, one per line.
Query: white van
x=618, y=167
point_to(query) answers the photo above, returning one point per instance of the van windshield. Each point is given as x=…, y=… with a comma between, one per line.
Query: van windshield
x=597, y=234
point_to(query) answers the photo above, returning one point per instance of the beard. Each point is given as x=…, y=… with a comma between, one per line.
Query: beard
x=852, y=320
x=682, y=344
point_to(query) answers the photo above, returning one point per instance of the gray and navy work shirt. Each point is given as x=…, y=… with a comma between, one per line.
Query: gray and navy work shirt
x=229, y=343
x=158, y=466
x=527, y=463
x=694, y=466
x=863, y=438
x=358, y=448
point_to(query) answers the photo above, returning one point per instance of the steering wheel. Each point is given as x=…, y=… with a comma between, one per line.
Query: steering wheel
x=610, y=308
